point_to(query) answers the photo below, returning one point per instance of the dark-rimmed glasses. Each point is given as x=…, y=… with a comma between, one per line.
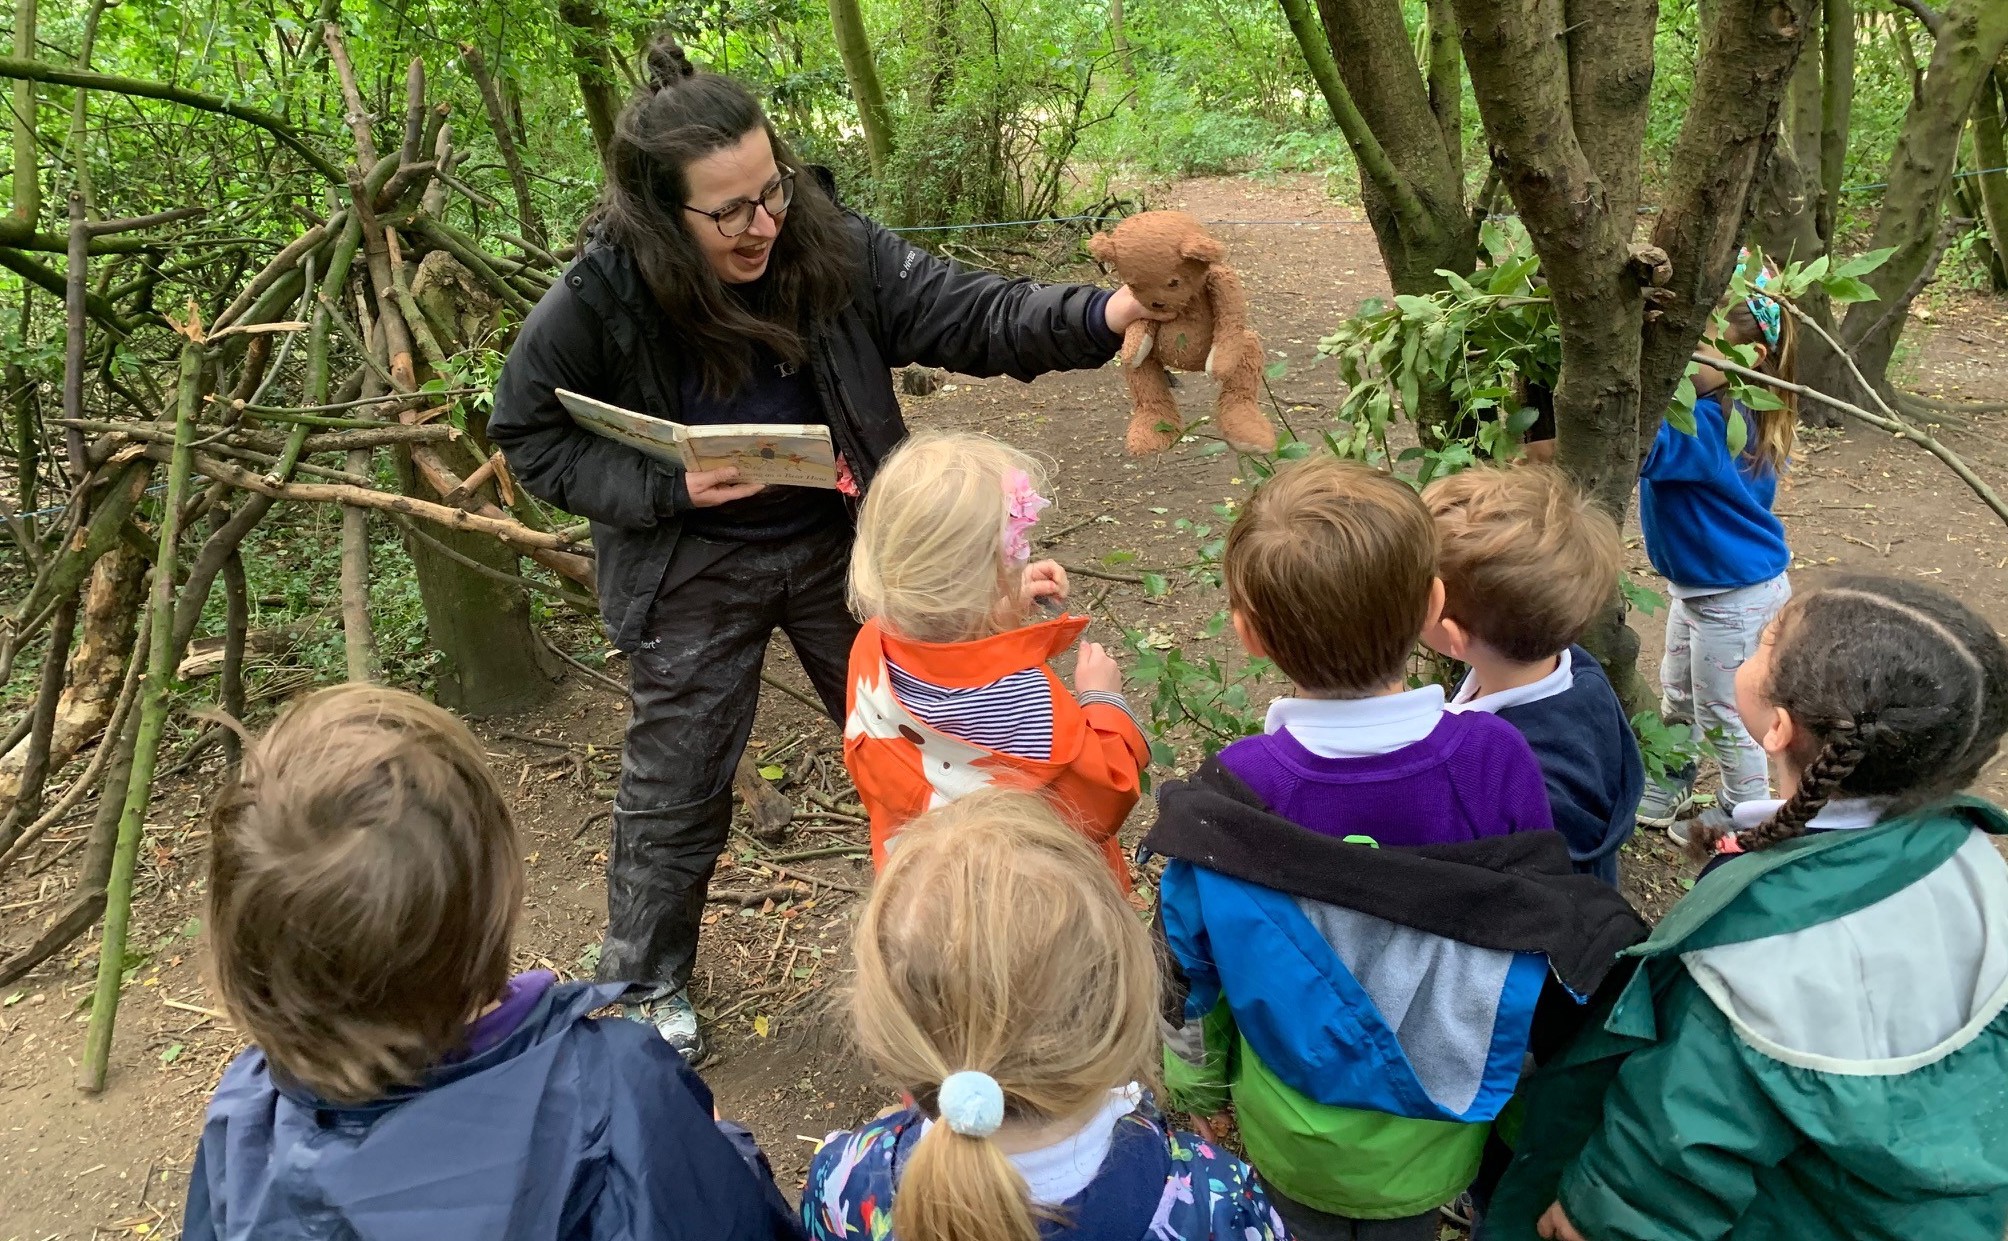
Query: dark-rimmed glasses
x=735, y=218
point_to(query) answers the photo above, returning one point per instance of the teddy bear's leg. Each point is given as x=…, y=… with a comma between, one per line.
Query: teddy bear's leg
x=1154, y=422
x=1239, y=411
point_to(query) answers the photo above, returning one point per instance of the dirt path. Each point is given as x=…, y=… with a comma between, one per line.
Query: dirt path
x=72, y=1166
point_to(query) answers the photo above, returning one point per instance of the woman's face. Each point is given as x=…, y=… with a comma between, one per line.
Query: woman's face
x=726, y=178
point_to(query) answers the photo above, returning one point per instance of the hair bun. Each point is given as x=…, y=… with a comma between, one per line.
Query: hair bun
x=667, y=65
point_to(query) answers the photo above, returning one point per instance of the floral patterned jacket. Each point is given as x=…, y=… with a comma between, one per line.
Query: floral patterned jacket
x=1157, y=1184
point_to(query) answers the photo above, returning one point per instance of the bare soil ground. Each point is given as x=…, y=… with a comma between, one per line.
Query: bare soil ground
x=75, y=1166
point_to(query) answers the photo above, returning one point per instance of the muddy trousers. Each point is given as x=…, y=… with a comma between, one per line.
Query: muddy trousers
x=694, y=686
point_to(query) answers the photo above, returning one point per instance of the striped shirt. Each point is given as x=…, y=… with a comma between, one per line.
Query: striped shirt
x=1012, y=715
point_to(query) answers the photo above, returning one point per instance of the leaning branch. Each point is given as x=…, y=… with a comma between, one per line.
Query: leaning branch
x=1894, y=425
x=35, y=71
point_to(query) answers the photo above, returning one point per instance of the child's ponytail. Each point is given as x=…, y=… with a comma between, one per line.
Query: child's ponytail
x=1762, y=320
x=959, y=1187
x=1898, y=691
x=1001, y=977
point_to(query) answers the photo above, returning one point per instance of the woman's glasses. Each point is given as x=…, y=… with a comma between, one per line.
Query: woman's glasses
x=735, y=218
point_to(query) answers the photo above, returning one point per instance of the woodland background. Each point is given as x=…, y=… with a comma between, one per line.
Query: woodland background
x=260, y=263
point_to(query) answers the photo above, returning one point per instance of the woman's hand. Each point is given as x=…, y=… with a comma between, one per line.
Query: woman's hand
x=1095, y=671
x=1124, y=309
x=710, y=488
x=1044, y=579
x=1555, y=1226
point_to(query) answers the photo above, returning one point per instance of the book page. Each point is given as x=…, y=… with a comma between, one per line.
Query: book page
x=656, y=437
x=788, y=456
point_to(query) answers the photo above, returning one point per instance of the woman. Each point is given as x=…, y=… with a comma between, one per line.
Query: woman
x=722, y=284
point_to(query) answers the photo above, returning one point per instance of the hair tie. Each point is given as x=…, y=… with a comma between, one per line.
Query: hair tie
x=1021, y=515
x=1769, y=315
x=971, y=1103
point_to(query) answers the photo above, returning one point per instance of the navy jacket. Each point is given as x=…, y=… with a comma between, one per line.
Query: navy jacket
x=1590, y=761
x=569, y=1129
x=1707, y=516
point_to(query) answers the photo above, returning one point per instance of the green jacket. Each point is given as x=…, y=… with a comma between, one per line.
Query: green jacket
x=1814, y=1047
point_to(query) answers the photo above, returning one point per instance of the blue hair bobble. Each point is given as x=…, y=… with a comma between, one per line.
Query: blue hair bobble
x=1769, y=315
x=972, y=1104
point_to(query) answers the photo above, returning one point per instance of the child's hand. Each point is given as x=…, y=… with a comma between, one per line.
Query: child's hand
x=1555, y=1225
x=1044, y=579
x=1094, y=670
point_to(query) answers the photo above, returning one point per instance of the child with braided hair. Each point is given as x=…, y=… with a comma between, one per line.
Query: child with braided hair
x=1813, y=1042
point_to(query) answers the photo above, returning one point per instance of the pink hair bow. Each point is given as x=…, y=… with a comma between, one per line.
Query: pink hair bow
x=1023, y=513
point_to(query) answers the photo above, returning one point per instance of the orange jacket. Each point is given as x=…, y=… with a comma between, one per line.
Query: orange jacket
x=903, y=768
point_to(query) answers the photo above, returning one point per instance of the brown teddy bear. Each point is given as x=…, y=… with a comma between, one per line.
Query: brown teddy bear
x=1174, y=266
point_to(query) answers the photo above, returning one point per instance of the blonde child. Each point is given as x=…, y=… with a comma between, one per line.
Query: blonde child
x=1813, y=1044
x=1709, y=531
x=1006, y=985
x=1527, y=563
x=364, y=888
x=950, y=688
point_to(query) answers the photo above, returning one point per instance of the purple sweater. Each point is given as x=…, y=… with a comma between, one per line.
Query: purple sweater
x=1472, y=776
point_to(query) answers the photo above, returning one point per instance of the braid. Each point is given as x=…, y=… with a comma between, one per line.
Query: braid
x=1846, y=745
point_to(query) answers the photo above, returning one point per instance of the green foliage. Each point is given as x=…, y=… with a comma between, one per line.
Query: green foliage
x=1483, y=339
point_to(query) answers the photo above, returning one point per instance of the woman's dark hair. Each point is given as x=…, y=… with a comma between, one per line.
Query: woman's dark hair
x=684, y=114
x=1899, y=692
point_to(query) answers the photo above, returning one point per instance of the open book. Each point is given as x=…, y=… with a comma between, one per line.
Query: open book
x=778, y=454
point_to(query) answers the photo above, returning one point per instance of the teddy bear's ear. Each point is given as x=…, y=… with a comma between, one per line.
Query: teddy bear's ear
x=1103, y=247
x=1203, y=248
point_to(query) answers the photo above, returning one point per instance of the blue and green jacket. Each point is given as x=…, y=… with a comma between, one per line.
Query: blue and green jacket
x=1367, y=1010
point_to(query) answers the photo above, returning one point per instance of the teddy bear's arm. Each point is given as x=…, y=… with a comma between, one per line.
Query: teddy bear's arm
x=1230, y=316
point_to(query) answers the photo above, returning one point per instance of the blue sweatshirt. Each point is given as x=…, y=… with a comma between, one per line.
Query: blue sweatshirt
x=1707, y=518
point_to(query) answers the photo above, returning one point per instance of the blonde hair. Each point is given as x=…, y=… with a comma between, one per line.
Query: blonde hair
x=1331, y=565
x=995, y=941
x=363, y=890
x=929, y=560
x=1776, y=431
x=1527, y=561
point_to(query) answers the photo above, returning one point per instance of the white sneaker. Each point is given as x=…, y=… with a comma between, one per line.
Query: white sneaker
x=675, y=1019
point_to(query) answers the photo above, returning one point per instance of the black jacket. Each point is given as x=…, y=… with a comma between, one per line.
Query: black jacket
x=600, y=332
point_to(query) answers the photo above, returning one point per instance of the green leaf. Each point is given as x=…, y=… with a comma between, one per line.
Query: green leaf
x=1115, y=558
x=1155, y=586
x=1520, y=419
x=1642, y=598
x=172, y=1054
x=1212, y=448
x=13, y=999
x=1371, y=307
x=773, y=772
x=1414, y=307
x=1738, y=432
x=1847, y=289
x=1863, y=264
x=1275, y=370
x=1681, y=412
x=1814, y=270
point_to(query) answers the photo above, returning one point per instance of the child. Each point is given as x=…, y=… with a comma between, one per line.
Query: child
x=363, y=895
x=1365, y=989
x=1813, y=1044
x=950, y=688
x=1005, y=984
x=1527, y=563
x=1710, y=533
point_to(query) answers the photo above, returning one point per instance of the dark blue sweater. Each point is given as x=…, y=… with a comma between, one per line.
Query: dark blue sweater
x=568, y=1129
x=1590, y=762
x=1707, y=518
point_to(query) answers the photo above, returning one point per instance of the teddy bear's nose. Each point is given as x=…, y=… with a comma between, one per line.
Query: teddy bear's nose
x=1157, y=305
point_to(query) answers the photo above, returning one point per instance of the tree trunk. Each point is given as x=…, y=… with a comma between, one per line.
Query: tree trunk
x=847, y=23
x=490, y=660
x=1990, y=152
x=1754, y=46
x=1119, y=36
x=1837, y=97
x=505, y=142
x=593, y=61
x=97, y=663
x=1785, y=221
x=1971, y=35
x=27, y=186
x=1411, y=180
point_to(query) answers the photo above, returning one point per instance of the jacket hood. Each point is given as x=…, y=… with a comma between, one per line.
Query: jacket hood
x=561, y=1007
x=1514, y=893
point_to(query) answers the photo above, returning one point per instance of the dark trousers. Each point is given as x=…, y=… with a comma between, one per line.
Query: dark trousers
x=694, y=686
x=1310, y=1224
